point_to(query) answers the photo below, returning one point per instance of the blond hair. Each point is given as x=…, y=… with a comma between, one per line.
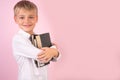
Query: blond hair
x=25, y=4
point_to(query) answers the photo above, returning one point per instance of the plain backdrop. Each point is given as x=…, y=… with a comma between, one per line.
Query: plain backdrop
x=87, y=33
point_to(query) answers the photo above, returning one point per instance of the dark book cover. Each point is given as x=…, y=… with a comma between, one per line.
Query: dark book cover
x=45, y=40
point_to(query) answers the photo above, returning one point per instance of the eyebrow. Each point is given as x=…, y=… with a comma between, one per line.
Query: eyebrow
x=24, y=15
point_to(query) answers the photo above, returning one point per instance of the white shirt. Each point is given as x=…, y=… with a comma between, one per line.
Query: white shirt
x=25, y=54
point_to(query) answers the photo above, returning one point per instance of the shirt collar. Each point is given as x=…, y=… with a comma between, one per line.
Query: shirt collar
x=24, y=33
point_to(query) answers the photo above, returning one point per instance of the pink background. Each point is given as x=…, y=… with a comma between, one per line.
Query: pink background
x=87, y=33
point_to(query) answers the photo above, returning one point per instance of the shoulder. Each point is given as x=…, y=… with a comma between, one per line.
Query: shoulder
x=17, y=37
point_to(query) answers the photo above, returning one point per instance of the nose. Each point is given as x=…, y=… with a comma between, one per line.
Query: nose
x=26, y=20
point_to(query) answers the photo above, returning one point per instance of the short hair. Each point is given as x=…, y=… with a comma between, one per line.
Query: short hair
x=25, y=4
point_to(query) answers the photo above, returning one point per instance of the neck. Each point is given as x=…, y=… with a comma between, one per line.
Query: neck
x=31, y=32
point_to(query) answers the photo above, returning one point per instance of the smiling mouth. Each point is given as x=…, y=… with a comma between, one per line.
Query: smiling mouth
x=27, y=25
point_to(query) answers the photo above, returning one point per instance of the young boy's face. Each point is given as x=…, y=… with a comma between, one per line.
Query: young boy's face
x=26, y=19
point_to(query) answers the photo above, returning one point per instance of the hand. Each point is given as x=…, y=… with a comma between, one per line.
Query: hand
x=48, y=54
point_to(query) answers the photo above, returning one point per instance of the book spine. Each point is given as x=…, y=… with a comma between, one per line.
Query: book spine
x=39, y=44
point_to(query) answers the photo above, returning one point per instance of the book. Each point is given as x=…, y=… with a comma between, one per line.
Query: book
x=39, y=41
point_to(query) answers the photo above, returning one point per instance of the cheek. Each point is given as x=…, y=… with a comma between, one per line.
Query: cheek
x=17, y=21
x=20, y=21
x=34, y=22
x=36, y=19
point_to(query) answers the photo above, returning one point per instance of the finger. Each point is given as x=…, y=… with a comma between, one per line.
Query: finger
x=45, y=61
x=41, y=56
x=44, y=58
x=44, y=48
x=48, y=59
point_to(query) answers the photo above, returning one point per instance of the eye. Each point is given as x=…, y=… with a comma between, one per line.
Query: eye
x=21, y=17
x=31, y=17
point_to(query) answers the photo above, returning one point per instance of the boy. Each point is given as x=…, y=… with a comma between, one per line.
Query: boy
x=26, y=16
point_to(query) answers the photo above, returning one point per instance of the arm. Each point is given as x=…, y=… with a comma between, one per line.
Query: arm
x=50, y=54
x=55, y=58
x=23, y=47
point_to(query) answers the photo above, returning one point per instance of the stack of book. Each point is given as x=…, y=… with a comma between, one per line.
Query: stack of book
x=39, y=41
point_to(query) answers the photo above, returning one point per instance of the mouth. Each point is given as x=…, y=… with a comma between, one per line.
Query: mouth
x=27, y=26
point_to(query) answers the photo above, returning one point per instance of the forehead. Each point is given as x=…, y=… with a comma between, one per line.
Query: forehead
x=26, y=12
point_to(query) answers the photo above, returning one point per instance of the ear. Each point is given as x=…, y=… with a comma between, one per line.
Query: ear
x=15, y=19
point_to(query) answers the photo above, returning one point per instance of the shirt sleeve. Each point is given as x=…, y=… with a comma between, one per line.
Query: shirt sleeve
x=59, y=55
x=23, y=47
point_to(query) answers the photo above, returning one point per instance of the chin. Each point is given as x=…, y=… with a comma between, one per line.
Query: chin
x=28, y=31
